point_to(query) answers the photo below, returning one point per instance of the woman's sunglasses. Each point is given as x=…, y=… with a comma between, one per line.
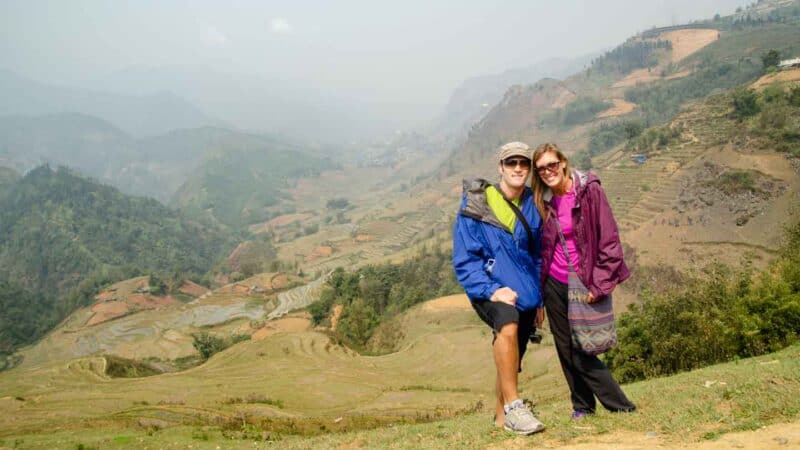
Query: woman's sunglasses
x=552, y=168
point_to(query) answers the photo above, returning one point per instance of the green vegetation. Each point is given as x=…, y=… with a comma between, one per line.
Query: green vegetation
x=337, y=203
x=724, y=314
x=735, y=181
x=662, y=100
x=731, y=61
x=609, y=135
x=773, y=115
x=745, y=103
x=117, y=367
x=238, y=186
x=374, y=294
x=630, y=56
x=771, y=59
x=208, y=344
x=653, y=139
x=582, y=110
x=63, y=237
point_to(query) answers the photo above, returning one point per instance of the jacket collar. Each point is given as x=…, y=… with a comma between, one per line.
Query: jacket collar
x=476, y=206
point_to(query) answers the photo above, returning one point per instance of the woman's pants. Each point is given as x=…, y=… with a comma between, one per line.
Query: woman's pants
x=586, y=375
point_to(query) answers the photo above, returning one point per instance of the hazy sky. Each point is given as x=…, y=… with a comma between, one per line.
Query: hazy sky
x=411, y=53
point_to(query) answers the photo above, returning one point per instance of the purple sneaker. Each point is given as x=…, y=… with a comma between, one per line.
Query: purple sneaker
x=579, y=414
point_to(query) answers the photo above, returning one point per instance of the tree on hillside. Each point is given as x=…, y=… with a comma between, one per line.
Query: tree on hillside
x=745, y=103
x=771, y=59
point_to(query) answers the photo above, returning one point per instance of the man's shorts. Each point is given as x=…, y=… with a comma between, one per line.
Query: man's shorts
x=498, y=314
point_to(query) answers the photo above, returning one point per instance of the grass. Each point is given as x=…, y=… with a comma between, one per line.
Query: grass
x=682, y=409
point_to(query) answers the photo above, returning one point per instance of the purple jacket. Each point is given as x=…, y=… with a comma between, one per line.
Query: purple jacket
x=599, y=250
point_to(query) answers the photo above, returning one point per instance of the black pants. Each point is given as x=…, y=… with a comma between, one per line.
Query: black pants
x=586, y=375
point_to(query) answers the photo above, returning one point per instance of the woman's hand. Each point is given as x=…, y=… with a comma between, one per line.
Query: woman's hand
x=590, y=298
x=539, y=317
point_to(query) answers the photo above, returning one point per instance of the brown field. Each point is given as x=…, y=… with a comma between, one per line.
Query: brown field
x=107, y=311
x=620, y=108
x=451, y=302
x=193, y=289
x=684, y=43
x=783, y=76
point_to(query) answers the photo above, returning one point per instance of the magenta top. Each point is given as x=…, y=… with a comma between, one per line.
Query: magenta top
x=558, y=268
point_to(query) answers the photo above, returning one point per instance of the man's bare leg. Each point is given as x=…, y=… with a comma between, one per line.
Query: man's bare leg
x=506, y=358
x=499, y=413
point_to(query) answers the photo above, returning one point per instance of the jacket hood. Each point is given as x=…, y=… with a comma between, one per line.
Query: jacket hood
x=475, y=204
x=580, y=181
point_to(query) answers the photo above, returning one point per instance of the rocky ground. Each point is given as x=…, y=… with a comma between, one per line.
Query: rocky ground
x=714, y=184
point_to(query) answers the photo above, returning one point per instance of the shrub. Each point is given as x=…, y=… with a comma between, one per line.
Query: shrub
x=771, y=58
x=713, y=318
x=583, y=110
x=745, y=103
x=208, y=344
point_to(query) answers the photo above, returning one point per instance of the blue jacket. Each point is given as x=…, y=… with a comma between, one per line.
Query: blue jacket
x=486, y=256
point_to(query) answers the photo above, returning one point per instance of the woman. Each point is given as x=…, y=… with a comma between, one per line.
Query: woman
x=575, y=201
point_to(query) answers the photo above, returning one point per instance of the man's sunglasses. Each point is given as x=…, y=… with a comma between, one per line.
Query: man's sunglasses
x=511, y=163
x=552, y=168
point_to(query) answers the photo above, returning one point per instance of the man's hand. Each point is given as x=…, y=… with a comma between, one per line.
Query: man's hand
x=505, y=295
x=539, y=317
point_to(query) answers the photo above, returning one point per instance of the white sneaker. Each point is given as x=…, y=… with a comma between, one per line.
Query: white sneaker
x=520, y=419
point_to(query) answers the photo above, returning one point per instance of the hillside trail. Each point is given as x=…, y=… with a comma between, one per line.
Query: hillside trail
x=776, y=436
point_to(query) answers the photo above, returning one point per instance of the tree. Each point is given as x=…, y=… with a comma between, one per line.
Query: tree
x=745, y=103
x=771, y=59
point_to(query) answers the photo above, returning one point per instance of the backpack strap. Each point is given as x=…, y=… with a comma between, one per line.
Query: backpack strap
x=521, y=219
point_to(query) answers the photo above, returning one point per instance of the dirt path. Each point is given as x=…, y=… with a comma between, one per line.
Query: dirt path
x=777, y=436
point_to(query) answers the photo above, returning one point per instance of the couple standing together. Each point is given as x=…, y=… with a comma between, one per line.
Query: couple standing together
x=513, y=248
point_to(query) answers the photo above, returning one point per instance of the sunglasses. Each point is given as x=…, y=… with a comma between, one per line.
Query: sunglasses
x=511, y=163
x=552, y=168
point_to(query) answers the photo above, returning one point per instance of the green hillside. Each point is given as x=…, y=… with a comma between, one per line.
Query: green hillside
x=62, y=236
x=246, y=184
x=7, y=178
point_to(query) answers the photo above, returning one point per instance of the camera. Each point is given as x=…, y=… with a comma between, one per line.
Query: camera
x=536, y=336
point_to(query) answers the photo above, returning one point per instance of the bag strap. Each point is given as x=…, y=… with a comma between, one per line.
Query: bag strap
x=564, y=243
x=521, y=219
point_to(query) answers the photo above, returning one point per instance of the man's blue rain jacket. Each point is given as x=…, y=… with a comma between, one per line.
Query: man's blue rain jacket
x=487, y=256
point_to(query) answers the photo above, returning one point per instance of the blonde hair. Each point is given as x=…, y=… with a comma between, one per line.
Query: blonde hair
x=537, y=184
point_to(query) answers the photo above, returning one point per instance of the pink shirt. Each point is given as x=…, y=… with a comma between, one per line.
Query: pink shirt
x=558, y=268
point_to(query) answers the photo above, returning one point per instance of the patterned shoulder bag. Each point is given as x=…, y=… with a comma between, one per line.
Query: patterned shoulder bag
x=592, y=324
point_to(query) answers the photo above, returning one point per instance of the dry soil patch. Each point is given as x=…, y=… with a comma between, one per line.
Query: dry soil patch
x=782, y=435
x=451, y=302
x=784, y=76
x=686, y=42
x=284, y=325
x=620, y=108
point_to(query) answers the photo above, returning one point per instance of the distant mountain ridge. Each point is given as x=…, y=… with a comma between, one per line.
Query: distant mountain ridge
x=155, y=166
x=140, y=115
x=62, y=236
x=475, y=96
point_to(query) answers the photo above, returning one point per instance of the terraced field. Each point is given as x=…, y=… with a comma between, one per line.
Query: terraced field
x=301, y=373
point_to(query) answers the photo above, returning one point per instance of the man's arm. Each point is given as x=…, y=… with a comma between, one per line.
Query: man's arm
x=469, y=260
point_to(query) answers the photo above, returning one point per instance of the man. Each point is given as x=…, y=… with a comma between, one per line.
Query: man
x=496, y=260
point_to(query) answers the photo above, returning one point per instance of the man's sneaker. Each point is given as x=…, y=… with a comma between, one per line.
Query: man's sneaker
x=520, y=420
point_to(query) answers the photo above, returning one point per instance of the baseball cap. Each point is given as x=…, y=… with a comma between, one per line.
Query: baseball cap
x=514, y=149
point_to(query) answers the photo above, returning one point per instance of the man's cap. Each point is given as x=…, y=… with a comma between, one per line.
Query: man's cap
x=514, y=149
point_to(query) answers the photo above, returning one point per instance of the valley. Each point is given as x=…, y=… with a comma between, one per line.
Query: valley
x=212, y=318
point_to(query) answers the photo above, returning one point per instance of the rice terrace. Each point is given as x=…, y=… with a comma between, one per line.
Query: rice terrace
x=202, y=250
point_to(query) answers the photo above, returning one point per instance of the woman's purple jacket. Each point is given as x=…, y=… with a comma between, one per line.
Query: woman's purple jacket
x=596, y=236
